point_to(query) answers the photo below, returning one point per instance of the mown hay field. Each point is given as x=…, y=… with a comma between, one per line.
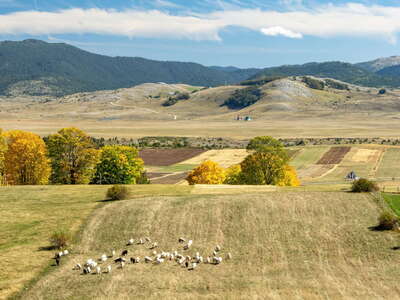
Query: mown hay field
x=285, y=245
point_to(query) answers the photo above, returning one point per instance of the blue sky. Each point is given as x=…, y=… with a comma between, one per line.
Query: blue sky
x=243, y=33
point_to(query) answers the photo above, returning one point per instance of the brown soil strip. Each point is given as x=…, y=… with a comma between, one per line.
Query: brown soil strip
x=334, y=156
x=171, y=179
x=167, y=157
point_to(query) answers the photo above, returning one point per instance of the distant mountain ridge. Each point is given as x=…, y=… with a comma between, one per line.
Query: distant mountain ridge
x=36, y=67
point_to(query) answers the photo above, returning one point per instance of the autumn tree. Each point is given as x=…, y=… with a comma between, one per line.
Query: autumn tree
x=290, y=177
x=25, y=161
x=208, y=172
x=73, y=156
x=3, y=148
x=233, y=175
x=267, y=162
x=119, y=165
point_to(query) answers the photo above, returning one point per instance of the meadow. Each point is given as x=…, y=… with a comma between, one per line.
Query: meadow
x=285, y=245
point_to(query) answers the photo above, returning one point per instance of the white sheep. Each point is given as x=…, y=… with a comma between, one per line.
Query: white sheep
x=98, y=270
x=159, y=260
x=122, y=265
x=108, y=270
x=155, y=245
x=148, y=259
x=77, y=267
x=154, y=252
x=113, y=253
x=214, y=253
x=208, y=260
x=131, y=241
x=87, y=270
x=103, y=258
x=217, y=260
x=217, y=248
x=181, y=240
x=65, y=252
x=193, y=266
x=229, y=256
x=137, y=259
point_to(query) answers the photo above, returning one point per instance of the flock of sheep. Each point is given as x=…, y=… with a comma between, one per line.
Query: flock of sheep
x=97, y=266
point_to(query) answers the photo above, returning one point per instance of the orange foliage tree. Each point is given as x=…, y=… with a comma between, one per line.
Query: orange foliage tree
x=233, y=175
x=25, y=161
x=3, y=148
x=208, y=172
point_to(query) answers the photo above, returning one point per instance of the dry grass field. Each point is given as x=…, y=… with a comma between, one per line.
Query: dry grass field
x=285, y=245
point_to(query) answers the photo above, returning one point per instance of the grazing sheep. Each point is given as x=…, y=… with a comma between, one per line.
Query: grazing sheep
x=59, y=254
x=147, y=239
x=65, y=252
x=181, y=240
x=87, y=270
x=155, y=245
x=208, y=260
x=154, y=253
x=77, y=267
x=103, y=258
x=229, y=256
x=193, y=266
x=130, y=242
x=217, y=248
x=137, y=259
x=98, y=270
x=187, y=246
x=113, y=253
x=108, y=270
x=124, y=253
x=122, y=265
x=214, y=253
x=58, y=259
x=159, y=260
x=119, y=259
x=217, y=260
x=186, y=264
x=148, y=259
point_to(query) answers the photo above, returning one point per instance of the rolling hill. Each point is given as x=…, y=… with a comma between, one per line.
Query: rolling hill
x=337, y=70
x=35, y=67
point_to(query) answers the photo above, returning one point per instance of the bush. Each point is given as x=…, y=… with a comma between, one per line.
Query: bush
x=117, y=192
x=387, y=221
x=314, y=83
x=177, y=97
x=60, y=238
x=242, y=98
x=364, y=185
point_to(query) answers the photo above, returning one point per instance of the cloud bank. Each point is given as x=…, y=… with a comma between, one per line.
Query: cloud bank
x=355, y=20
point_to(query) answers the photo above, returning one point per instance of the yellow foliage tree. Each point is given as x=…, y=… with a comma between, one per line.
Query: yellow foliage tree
x=3, y=148
x=25, y=161
x=73, y=156
x=290, y=177
x=208, y=172
x=233, y=174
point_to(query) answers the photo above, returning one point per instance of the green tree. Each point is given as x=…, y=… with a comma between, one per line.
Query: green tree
x=267, y=162
x=73, y=156
x=119, y=165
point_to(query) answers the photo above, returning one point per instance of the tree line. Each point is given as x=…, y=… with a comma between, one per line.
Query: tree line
x=67, y=157
x=266, y=164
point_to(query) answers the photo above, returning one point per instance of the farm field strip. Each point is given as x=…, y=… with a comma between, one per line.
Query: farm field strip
x=390, y=165
x=167, y=157
x=285, y=245
x=308, y=156
x=225, y=157
x=334, y=156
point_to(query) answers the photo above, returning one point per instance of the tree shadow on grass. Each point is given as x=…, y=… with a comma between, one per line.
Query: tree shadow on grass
x=47, y=248
x=395, y=248
x=378, y=228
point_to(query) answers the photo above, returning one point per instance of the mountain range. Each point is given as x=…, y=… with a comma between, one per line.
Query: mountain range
x=36, y=67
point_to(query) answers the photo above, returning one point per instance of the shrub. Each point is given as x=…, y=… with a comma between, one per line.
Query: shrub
x=117, y=192
x=208, y=172
x=60, y=238
x=387, y=220
x=242, y=98
x=364, y=185
x=314, y=83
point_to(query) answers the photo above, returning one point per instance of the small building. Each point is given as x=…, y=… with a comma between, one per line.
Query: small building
x=352, y=176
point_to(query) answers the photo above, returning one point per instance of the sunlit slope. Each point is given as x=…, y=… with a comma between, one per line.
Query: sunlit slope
x=285, y=245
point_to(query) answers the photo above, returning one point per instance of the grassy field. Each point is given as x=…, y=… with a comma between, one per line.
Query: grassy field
x=285, y=245
x=389, y=166
x=308, y=156
x=28, y=215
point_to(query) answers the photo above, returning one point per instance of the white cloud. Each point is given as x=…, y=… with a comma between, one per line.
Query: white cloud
x=277, y=30
x=355, y=20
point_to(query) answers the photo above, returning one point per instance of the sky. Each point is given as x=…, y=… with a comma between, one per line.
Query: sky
x=241, y=33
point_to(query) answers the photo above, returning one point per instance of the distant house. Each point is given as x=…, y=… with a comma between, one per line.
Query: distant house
x=352, y=176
